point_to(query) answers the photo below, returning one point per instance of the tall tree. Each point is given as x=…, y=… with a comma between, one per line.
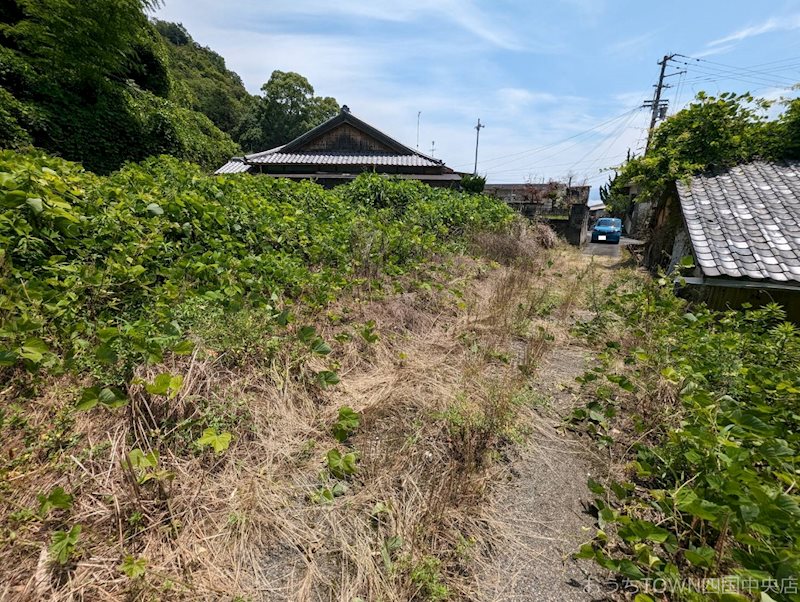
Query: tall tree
x=90, y=80
x=711, y=132
x=80, y=40
x=287, y=108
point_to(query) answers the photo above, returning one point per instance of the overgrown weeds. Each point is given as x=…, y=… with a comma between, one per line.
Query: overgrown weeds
x=702, y=406
x=273, y=453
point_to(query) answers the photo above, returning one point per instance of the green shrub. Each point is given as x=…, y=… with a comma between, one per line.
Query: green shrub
x=716, y=488
x=99, y=272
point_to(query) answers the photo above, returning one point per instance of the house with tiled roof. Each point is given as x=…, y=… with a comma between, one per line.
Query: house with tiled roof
x=741, y=225
x=336, y=151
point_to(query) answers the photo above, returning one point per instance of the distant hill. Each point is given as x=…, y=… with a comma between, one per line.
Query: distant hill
x=94, y=82
x=201, y=81
x=100, y=83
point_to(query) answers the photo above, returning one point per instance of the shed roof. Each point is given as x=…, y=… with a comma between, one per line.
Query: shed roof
x=744, y=222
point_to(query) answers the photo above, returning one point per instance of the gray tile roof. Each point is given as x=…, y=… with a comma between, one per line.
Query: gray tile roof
x=744, y=222
x=331, y=158
x=233, y=166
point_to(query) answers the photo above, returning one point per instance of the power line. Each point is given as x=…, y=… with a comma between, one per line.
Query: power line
x=537, y=166
x=714, y=76
x=577, y=142
x=613, y=136
x=730, y=68
x=608, y=140
x=788, y=59
x=539, y=149
x=678, y=92
x=740, y=74
x=610, y=146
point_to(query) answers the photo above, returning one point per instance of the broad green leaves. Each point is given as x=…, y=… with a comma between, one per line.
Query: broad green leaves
x=327, y=378
x=717, y=480
x=56, y=499
x=326, y=495
x=341, y=465
x=219, y=442
x=368, y=333
x=145, y=466
x=33, y=349
x=63, y=544
x=99, y=279
x=133, y=567
x=166, y=384
x=347, y=422
x=107, y=396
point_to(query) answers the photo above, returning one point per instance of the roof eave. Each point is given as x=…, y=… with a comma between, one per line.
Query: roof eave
x=740, y=283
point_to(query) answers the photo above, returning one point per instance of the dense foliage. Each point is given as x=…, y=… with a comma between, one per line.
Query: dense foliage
x=96, y=268
x=714, y=490
x=201, y=81
x=287, y=109
x=473, y=183
x=711, y=132
x=99, y=83
x=91, y=81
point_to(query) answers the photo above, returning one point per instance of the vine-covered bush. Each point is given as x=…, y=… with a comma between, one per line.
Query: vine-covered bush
x=712, y=132
x=92, y=264
x=92, y=82
x=712, y=508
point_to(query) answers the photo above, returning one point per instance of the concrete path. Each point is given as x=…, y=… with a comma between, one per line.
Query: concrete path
x=608, y=250
x=544, y=517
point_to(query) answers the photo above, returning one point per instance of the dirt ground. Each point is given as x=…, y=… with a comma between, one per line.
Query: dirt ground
x=544, y=517
x=466, y=487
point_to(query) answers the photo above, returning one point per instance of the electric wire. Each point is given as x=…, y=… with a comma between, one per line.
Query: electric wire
x=538, y=149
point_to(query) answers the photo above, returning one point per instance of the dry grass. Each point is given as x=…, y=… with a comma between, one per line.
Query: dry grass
x=437, y=411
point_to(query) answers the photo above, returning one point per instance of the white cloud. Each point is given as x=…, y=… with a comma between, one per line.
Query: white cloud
x=787, y=23
x=632, y=45
x=464, y=14
x=712, y=50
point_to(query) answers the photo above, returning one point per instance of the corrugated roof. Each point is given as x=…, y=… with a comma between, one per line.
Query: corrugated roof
x=273, y=158
x=744, y=222
x=233, y=166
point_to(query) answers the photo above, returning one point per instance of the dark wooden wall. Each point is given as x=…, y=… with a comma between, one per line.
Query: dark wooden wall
x=345, y=138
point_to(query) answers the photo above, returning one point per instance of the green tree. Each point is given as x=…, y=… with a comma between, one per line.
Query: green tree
x=201, y=80
x=783, y=135
x=473, y=183
x=711, y=132
x=287, y=109
x=91, y=81
x=80, y=41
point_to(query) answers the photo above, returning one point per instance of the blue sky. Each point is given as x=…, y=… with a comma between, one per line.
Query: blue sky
x=557, y=83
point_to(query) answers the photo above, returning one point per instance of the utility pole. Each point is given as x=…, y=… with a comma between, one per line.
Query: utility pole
x=477, y=140
x=655, y=104
x=433, y=147
x=418, y=114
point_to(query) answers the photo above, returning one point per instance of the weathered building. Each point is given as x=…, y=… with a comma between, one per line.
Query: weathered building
x=336, y=151
x=540, y=199
x=742, y=227
x=565, y=208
